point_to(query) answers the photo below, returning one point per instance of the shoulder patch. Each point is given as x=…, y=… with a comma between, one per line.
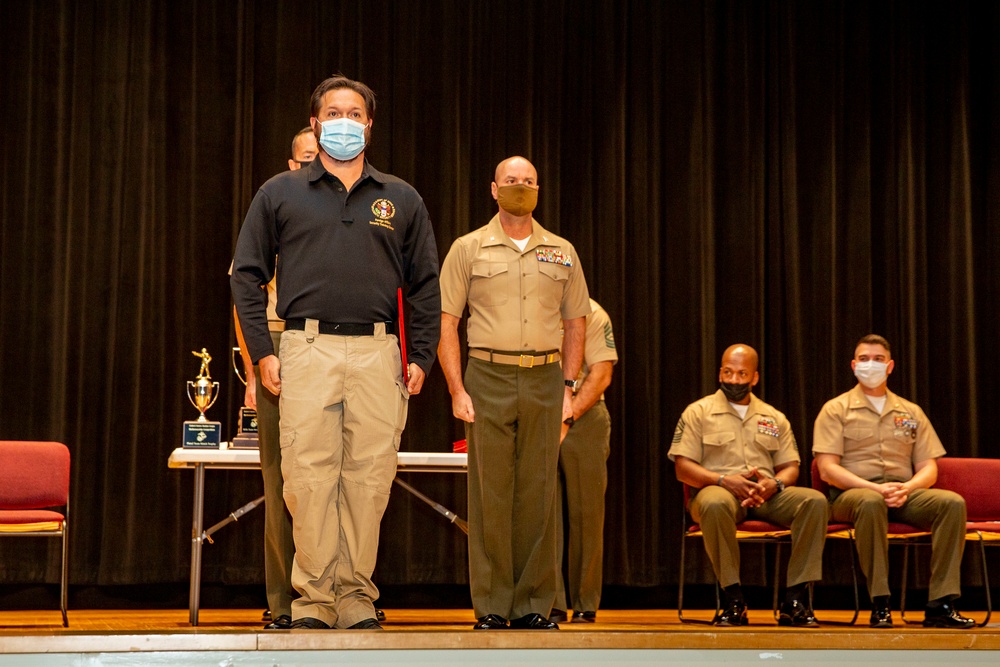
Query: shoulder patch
x=679, y=431
x=609, y=336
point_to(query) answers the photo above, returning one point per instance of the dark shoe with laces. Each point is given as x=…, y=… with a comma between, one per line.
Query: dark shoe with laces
x=558, y=616
x=797, y=615
x=881, y=615
x=491, y=622
x=283, y=622
x=582, y=617
x=367, y=624
x=946, y=616
x=533, y=622
x=734, y=614
x=308, y=623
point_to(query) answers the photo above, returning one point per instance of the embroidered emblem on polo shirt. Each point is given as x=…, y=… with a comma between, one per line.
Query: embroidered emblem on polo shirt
x=906, y=425
x=384, y=211
x=768, y=426
x=553, y=256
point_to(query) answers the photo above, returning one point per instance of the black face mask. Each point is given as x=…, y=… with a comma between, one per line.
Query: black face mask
x=735, y=391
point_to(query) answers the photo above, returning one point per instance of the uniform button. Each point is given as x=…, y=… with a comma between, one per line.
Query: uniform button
x=524, y=298
x=526, y=321
x=340, y=189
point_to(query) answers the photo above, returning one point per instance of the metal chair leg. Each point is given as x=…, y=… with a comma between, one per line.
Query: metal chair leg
x=64, y=579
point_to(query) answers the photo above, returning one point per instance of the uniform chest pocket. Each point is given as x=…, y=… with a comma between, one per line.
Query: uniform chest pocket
x=719, y=451
x=719, y=439
x=858, y=433
x=488, y=286
x=768, y=442
x=552, y=280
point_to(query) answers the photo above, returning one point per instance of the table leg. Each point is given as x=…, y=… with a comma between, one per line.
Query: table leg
x=196, y=540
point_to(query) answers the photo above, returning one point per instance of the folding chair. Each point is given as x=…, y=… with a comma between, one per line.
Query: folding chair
x=34, y=477
x=747, y=532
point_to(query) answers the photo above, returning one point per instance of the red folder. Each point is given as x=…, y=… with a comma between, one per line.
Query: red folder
x=402, y=336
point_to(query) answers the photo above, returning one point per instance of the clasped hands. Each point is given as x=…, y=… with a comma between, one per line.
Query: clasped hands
x=895, y=493
x=747, y=489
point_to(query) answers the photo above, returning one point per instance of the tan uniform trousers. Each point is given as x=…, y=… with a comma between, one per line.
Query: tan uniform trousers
x=279, y=549
x=804, y=511
x=343, y=408
x=583, y=460
x=939, y=511
x=513, y=464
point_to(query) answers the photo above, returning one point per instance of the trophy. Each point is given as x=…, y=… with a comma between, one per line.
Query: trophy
x=246, y=436
x=201, y=433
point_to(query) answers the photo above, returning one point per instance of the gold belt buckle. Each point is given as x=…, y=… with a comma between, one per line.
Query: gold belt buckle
x=530, y=358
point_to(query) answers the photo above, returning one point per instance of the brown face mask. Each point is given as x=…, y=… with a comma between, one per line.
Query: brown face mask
x=517, y=199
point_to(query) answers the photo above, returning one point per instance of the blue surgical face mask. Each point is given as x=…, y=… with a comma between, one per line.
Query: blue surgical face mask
x=342, y=138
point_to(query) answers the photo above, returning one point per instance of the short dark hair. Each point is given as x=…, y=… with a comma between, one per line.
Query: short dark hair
x=336, y=82
x=873, y=339
x=304, y=130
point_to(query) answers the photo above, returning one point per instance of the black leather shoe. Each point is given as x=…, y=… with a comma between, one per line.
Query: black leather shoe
x=797, y=615
x=582, y=617
x=491, y=622
x=946, y=616
x=881, y=616
x=367, y=624
x=309, y=623
x=734, y=614
x=533, y=622
x=283, y=622
x=558, y=616
x=379, y=615
x=266, y=616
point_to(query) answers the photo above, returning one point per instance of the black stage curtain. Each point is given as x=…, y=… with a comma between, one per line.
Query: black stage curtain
x=792, y=175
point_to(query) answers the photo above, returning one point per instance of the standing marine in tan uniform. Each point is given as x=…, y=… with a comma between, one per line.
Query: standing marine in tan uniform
x=521, y=284
x=583, y=460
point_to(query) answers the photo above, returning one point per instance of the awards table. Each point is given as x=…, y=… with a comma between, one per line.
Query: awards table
x=201, y=460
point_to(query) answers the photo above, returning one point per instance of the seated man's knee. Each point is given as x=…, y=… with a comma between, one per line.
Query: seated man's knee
x=867, y=503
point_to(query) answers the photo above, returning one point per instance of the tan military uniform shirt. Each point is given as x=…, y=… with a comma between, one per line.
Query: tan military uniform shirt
x=710, y=432
x=599, y=344
x=274, y=323
x=872, y=446
x=517, y=300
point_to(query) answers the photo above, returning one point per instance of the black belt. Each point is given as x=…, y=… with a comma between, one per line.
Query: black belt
x=335, y=329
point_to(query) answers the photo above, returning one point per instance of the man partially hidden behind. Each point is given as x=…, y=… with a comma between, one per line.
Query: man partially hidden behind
x=279, y=549
x=738, y=454
x=878, y=452
x=348, y=236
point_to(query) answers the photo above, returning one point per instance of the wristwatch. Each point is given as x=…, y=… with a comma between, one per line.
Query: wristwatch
x=571, y=384
x=778, y=483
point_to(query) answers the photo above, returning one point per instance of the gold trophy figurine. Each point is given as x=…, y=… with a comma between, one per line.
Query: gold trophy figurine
x=205, y=391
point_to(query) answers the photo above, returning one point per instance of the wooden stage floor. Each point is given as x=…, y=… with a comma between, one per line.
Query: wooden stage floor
x=108, y=631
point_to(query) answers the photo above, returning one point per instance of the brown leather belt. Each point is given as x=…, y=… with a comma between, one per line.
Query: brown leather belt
x=522, y=359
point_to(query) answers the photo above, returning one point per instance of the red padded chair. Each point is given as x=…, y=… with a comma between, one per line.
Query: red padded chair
x=976, y=480
x=34, y=479
x=752, y=532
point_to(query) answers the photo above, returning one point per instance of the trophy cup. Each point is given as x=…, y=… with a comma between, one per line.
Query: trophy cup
x=201, y=433
x=246, y=436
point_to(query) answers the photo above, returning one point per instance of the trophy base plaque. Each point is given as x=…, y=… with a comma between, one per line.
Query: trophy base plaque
x=246, y=438
x=202, y=435
x=245, y=441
